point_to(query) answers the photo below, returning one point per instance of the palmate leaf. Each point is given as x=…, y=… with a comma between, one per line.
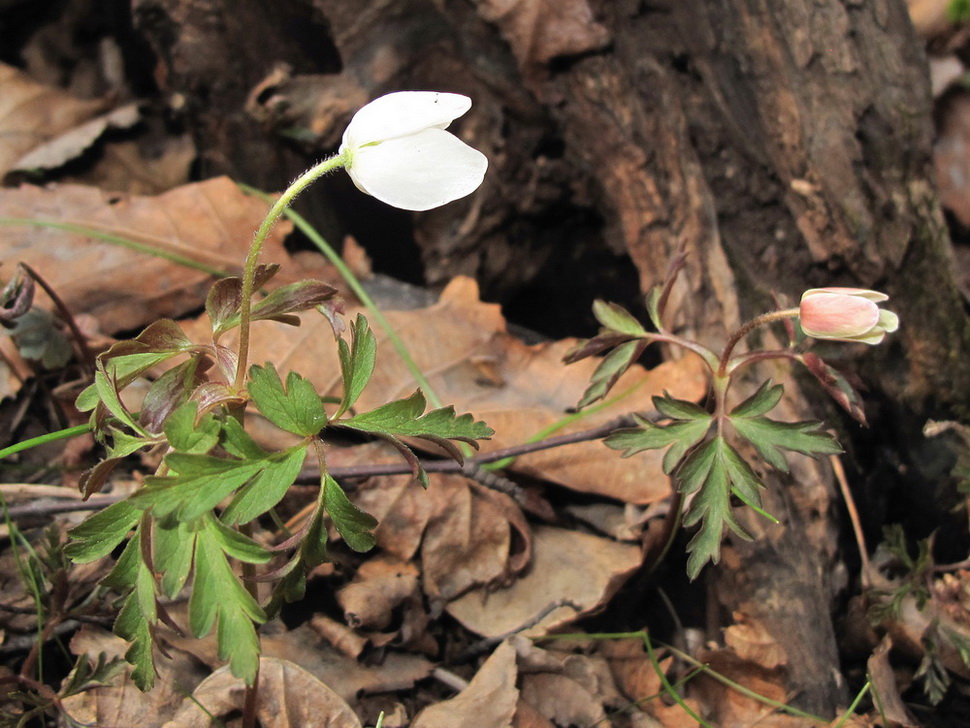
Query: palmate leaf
x=296, y=408
x=689, y=424
x=139, y=614
x=99, y=534
x=357, y=362
x=404, y=418
x=219, y=596
x=770, y=437
x=715, y=471
x=613, y=366
x=355, y=526
x=198, y=483
x=173, y=549
x=679, y=436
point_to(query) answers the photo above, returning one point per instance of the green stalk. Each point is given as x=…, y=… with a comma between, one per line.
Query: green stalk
x=249, y=271
x=124, y=242
x=354, y=284
x=44, y=439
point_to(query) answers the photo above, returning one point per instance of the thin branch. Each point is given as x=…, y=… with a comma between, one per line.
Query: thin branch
x=472, y=468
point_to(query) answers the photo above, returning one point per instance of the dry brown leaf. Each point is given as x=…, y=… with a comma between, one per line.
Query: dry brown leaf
x=465, y=533
x=884, y=685
x=32, y=114
x=345, y=676
x=749, y=639
x=727, y=708
x=462, y=346
x=586, y=570
x=540, y=30
x=143, y=166
x=72, y=144
x=288, y=697
x=209, y=222
x=562, y=700
x=528, y=717
x=489, y=701
x=122, y=705
x=339, y=635
x=637, y=679
x=380, y=586
x=384, y=599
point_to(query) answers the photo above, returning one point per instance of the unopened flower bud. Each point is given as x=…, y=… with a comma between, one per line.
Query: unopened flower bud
x=846, y=314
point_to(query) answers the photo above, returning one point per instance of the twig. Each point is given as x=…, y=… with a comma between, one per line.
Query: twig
x=477, y=648
x=860, y=539
x=472, y=468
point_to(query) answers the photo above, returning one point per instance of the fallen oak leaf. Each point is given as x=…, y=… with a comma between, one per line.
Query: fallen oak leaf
x=206, y=224
x=289, y=697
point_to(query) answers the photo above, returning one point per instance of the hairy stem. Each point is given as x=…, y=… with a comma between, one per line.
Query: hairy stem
x=249, y=272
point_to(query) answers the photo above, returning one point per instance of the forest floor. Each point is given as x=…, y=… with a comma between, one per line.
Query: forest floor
x=448, y=621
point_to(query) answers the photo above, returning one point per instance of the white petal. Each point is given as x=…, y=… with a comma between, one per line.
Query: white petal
x=420, y=171
x=402, y=113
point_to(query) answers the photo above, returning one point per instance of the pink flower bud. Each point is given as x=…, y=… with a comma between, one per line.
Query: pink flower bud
x=846, y=314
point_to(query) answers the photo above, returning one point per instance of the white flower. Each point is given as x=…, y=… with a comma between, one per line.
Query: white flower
x=397, y=150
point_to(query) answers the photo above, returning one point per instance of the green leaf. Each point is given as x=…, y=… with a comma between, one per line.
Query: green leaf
x=236, y=544
x=354, y=525
x=679, y=436
x=198, y=484
x=108, y=393
x=237, y=441
x=124, y=574
x=185, y=435
x=297, y=408
x=85, y=676
x=616, y=318
x=709, y=472
x=127, y=360
x=135, y=621
x=132, y=627
x=770, y=436
x=172, y=553
x=680, y=409
x=267, y=488
x=124, y=444
x=761, y=402
x=403, y=418
x=613, y=366
x=286, y=300
x=218, y=594
x=356, y=362
x=88, y=399
x=653, y=306
x=100, y=533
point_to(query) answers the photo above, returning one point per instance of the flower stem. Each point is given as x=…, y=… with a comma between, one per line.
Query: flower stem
x=747, y=328
x=249, y=272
